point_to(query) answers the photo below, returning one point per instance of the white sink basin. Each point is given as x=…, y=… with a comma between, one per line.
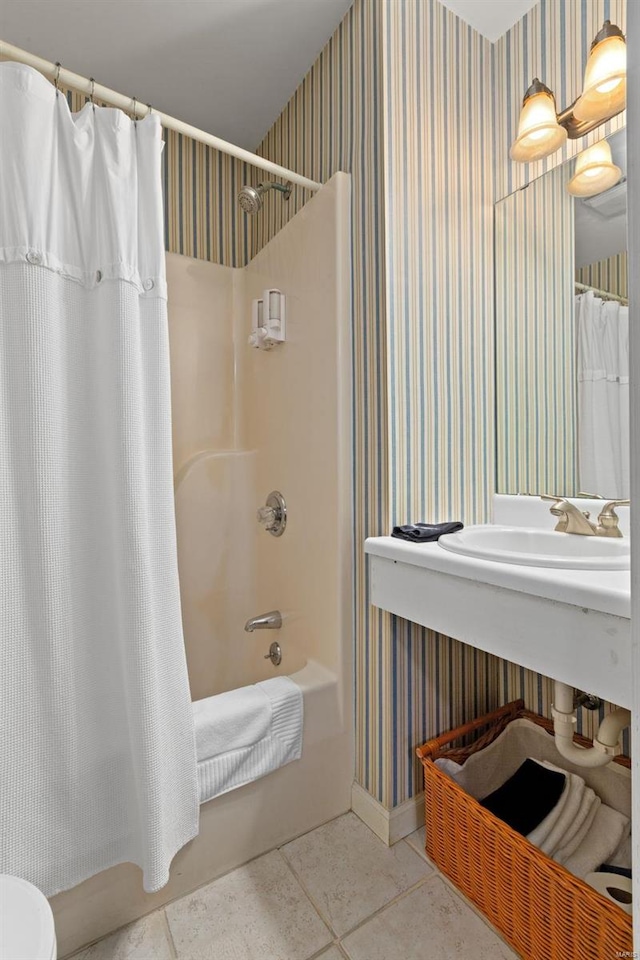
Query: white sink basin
x=538, y=548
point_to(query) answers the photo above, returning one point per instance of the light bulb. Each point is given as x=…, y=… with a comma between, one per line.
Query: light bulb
x=595, y=171
x=539, y=133
x=605, y=76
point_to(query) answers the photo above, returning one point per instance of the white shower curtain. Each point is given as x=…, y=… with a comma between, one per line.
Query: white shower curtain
x=603, y=396
x=97, y=759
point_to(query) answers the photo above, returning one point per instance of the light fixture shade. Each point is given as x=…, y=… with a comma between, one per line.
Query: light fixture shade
x=605, y=77
x=595, y=171
x=539, y=133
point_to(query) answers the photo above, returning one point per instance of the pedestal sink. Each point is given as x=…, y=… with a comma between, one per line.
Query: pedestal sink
x=532, y=547
x=555, y=603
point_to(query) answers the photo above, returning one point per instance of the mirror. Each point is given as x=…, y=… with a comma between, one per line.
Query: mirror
x=561, y=323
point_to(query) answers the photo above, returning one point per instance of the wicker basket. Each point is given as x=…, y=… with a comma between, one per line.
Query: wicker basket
x=541, y=909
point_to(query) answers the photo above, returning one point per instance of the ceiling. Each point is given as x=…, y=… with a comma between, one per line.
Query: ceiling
x=226, y=66
x=491, y=18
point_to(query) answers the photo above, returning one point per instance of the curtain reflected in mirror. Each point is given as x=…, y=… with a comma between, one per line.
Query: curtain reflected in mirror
x=602, y=328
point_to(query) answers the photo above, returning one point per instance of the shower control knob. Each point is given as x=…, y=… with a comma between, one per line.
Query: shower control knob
x=267, y=516
x=275, y=654
x=273, y=516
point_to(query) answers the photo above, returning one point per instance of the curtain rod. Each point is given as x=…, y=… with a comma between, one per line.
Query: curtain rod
x=603, y=294
x=88, y=87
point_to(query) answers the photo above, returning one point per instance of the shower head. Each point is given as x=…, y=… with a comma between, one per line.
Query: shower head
x=250, y=198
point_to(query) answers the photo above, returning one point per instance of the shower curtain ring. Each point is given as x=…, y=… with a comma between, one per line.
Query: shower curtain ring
x=56, y=79
x=93, y=86
x=135, y=106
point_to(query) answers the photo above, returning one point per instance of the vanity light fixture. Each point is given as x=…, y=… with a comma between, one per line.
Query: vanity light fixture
x=595, y=171
x=542, y=131
x=539, y=132
x=605, y=77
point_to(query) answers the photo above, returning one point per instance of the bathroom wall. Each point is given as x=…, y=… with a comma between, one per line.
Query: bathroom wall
x=362, y=108
x=610, y=275
x=334, y=122
x=249, y=421
x=425, y=178
x=295, y=402
x=214, y=475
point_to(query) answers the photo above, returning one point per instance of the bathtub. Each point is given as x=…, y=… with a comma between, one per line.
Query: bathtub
x=307, y=702
x=235, y=827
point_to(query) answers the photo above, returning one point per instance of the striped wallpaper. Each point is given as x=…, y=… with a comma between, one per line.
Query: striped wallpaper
x=421, y=111
x=334, y=122
x=535, y=345
x=422, y=332
x=404, y=97
x=439, y=304
x=610, y=275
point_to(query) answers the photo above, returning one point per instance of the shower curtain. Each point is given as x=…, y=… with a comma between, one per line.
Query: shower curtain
x=603, y=396
x=97, y=759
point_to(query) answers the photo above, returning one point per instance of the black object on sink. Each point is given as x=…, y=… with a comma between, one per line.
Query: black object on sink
x=425, y=532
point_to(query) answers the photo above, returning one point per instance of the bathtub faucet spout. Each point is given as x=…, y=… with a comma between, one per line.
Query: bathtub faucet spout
x=266, y=621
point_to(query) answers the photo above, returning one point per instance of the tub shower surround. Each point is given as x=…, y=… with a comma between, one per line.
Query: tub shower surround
x=230, y=449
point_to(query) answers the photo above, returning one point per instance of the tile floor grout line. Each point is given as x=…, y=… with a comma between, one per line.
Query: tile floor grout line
x=206, y=883
x=172, y=944
x=341, y=936
x=454, y=889
x=337, y=940
x=322, y=950
x=325, y=920
x=111, y=933
x=391, y=903
x=472, y=906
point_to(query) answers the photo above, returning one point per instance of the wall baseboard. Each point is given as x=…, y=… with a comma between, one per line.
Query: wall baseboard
x=389, y=825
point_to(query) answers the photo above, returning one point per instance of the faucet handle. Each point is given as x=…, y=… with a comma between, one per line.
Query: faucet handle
x=608, y=518
x=273, y=516
x=565, y=500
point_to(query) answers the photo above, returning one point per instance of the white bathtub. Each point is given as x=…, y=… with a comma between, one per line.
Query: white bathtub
x=235, y=827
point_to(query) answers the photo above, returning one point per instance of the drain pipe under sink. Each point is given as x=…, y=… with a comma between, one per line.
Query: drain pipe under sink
x=605, y=744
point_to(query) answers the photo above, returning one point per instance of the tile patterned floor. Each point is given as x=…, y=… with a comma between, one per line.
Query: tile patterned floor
x=337, y=893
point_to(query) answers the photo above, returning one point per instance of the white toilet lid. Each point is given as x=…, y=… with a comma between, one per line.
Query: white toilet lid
x=27, y=931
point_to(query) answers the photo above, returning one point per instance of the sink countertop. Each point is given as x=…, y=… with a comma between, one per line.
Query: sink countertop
x=567, y=624
x=607, y=591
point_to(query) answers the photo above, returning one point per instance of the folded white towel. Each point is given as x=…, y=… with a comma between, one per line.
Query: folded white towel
x=574, y=838
x=622, y=856
x=255, y=731
x=231, y=720
x=569, y=818
x=540, y=835
x=607, y=831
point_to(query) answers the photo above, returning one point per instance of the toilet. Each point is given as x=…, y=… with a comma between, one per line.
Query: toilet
x=27, y=931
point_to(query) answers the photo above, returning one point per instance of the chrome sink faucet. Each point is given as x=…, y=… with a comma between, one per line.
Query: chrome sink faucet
x=574, y=520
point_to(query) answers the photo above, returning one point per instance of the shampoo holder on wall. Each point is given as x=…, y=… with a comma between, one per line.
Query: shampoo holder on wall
x=268, y=325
